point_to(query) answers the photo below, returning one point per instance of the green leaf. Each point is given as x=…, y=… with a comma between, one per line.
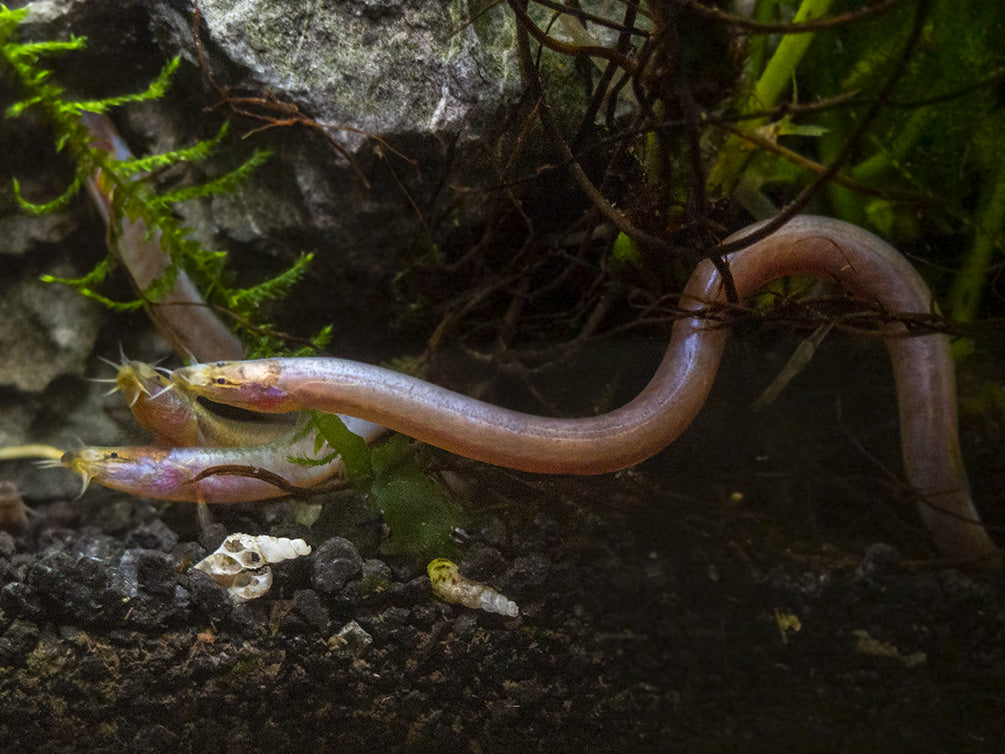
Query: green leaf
x=624, y=251
x=418, y=510
x=785, y=127
x=420, y=516
x=353, y=449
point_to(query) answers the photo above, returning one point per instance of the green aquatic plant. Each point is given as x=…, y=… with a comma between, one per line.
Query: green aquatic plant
x=136, y=200
x=884, y=114
x=417, y=508
x=768, y=84
x=930, y=161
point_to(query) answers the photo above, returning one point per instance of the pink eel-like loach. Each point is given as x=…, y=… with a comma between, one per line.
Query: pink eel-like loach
x=854, y=259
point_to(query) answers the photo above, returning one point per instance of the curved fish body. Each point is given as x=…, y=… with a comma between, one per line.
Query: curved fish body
x=182, y=315
x=858, y=262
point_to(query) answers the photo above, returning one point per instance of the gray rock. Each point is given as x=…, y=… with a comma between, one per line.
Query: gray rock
x=155, y=535
x=335, y=562
x=395, y=67
x=55, y=333
x=356, y=639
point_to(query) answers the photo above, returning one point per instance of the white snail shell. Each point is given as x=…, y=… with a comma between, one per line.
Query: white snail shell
x=450, y=586
x=241, y=563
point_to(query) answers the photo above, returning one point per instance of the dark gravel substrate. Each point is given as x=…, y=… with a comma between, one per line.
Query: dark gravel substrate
x=630, y=638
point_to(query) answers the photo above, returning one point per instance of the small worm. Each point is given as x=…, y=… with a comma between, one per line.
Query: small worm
x=854, y=259
x=450, y=586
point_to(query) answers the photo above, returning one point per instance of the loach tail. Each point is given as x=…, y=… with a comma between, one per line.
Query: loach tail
x=46, y=452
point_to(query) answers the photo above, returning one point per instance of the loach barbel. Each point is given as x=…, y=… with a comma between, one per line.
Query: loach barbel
x=852, y=258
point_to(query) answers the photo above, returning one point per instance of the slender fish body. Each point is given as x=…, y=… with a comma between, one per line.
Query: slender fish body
x=206, y=475
x=182, y=315
x=857, y=261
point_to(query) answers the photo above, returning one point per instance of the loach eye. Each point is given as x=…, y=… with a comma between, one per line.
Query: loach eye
x=113, y=455
x=221, y=380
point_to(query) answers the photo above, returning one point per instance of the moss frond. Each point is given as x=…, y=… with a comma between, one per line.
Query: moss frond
x=194, y=154
x=224, y=184
x=53, y=205
x=85, y=284
x=157, y=89
x=249, y=299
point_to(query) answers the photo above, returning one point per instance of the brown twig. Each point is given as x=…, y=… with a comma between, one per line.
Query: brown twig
x=264, y=475
x=526, y=23
x=605, y=207
x=770, y=145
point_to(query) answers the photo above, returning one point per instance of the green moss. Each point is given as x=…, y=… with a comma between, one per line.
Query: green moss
x=136, y=200
x=373, y=584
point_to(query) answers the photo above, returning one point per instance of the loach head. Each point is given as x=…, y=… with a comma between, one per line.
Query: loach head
x=170, y=415
x=128, y=469
x=88, y=462
x=136, y=379
x=247, y=384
